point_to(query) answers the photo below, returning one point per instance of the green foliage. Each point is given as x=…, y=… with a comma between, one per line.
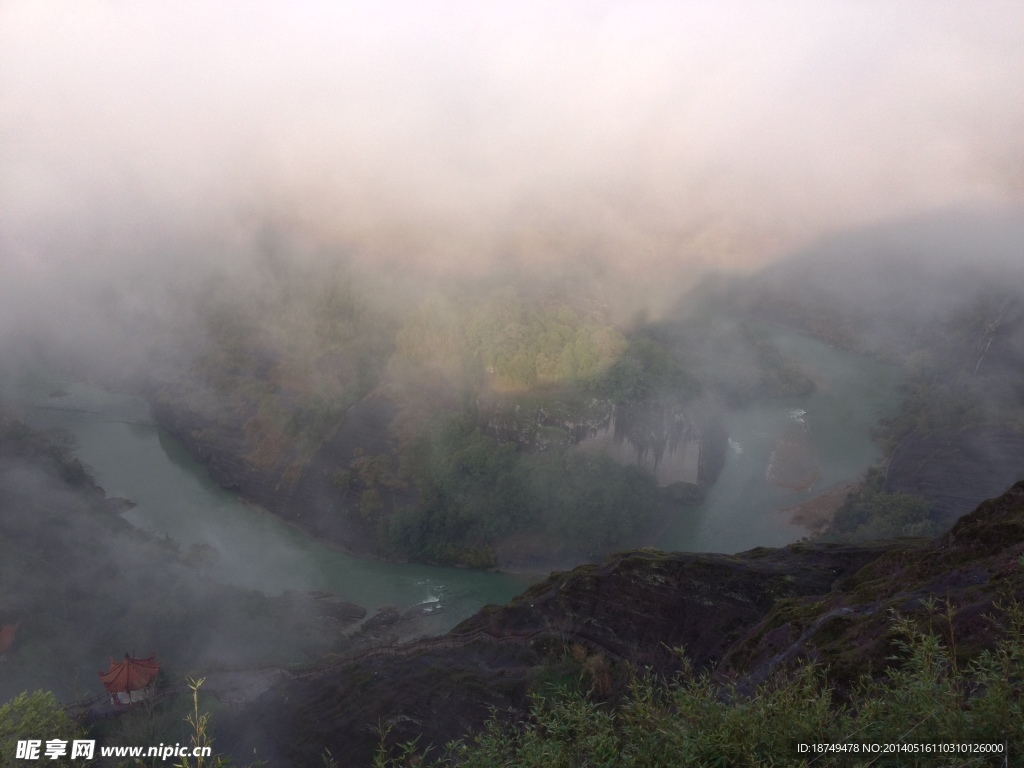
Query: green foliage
x=924, y=698
x=475, y=489
x=525, y=343
x=310, y=424
x=288, y=362
x=370, y=505
x=199, y=735
x=38, y=716
x=645, y=370
x=930, y=696
x=519, y=341
x=376, y=470
x=200, y=743
x=869, y=514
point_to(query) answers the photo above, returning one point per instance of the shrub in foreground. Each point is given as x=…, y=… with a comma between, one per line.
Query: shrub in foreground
x=924, y=698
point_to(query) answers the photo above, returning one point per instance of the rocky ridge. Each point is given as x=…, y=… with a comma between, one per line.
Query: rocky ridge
x=740, y=618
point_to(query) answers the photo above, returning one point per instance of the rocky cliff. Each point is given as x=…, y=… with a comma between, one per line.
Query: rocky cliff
x=954, y=471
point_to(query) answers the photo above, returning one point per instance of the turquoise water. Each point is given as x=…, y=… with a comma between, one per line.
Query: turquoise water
x=743, y=510
x=129, y=456
x=132, y=458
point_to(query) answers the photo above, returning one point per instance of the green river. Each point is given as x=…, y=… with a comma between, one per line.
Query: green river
x=130, y=457
x=744, y=510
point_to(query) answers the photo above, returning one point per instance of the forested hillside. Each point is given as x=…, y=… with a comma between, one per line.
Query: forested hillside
x=472, y=403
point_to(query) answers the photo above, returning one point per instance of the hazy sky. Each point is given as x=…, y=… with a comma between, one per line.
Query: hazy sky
x=146, y=140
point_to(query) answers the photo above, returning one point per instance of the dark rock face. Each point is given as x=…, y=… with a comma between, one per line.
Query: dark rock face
x=647, y=434
x=713, y=449
x=640, y=605
x=973, y=568
x=683, y=493
x=336, y=608
x=742, y=617
x=957, y=471
x=633, y=608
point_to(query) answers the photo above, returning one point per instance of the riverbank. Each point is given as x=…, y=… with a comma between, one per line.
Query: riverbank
x=244, y=545
x=83, y=585
x=353, y=486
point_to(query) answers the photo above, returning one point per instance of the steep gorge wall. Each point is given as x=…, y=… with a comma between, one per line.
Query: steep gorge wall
x=305, y=494
x=956, y=471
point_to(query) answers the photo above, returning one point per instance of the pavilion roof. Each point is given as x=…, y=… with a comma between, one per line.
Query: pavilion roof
x=131, y=674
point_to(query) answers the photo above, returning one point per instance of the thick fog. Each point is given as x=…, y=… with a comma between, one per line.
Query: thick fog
x=148, y=151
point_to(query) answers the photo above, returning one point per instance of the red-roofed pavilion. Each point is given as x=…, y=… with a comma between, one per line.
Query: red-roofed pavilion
x=130, y=680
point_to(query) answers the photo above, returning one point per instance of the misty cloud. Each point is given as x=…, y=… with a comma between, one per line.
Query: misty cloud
x=144, y=145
